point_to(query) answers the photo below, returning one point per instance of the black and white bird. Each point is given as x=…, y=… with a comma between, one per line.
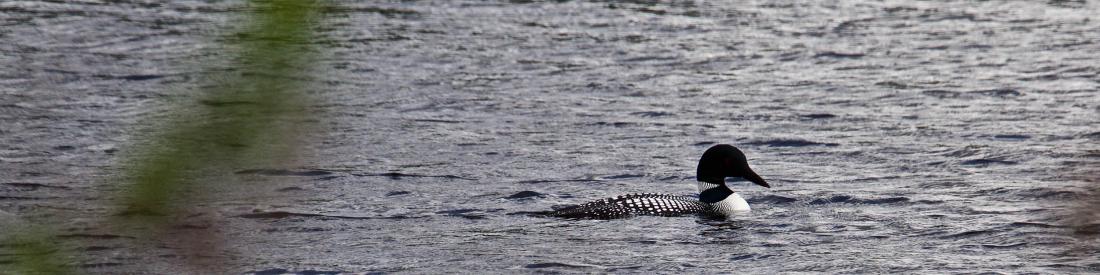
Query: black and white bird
x=716, y=199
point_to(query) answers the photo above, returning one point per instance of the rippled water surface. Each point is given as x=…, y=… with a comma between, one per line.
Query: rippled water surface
x=899, y=136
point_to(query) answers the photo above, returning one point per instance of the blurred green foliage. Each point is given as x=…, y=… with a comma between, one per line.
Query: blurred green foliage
x=241, y=120
x=244, y=117
x=34, y=251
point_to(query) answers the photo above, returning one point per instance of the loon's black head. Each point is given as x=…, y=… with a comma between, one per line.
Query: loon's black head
x=724, y=160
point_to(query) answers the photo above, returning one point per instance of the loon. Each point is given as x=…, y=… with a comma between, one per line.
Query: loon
x=716, y=199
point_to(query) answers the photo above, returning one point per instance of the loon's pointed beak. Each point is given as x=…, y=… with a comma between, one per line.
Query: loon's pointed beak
x=754, y=178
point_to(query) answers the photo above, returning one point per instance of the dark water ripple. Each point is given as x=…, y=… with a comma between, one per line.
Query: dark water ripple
x=925, y=137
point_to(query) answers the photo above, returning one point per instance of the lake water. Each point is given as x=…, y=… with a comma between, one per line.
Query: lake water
x=898, y=136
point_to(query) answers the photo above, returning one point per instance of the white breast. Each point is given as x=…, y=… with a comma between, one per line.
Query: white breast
x=733, y=204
